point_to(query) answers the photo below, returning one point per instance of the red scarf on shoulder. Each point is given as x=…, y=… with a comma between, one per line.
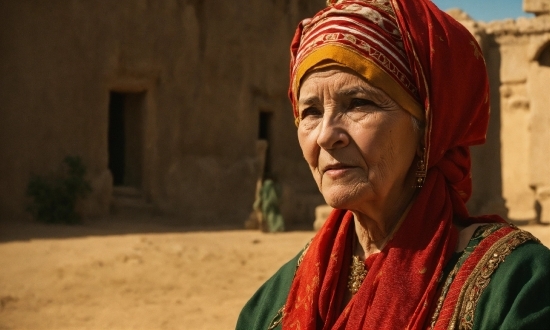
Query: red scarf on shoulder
x=399, y=291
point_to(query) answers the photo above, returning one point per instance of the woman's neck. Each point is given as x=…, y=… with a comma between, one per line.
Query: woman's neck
x=373, y=234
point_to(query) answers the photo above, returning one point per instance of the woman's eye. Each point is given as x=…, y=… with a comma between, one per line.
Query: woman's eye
x=311, y=111
x=357, y=102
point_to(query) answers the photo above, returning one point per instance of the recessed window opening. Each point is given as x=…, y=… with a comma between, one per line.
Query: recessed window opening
x=544, y=57
x=264, y=133
x=126, y=138
x=265, y=121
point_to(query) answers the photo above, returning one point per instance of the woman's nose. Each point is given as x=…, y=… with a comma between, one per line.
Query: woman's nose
x=332, y=133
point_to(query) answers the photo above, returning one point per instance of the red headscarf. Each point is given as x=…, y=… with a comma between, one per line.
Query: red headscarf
x=451, y=84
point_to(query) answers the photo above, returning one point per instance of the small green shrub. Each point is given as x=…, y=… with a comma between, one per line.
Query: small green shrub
x=54, y=197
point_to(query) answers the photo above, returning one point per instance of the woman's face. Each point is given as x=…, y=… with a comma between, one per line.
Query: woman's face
x=358, y=142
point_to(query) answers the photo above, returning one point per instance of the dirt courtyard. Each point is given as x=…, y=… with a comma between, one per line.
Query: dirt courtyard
x=122, y=274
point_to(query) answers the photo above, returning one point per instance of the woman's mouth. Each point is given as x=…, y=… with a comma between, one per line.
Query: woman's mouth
x=337, y=171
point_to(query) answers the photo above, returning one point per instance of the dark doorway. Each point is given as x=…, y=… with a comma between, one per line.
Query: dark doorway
x=264, y=133
x=264, y=129
x=544, y=57
x=126, y=138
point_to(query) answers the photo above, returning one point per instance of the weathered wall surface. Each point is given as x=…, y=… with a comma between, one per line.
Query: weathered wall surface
x=203, y=72
x=206, y=70
x=537, y=7
x=524, y=70
x=511, y=171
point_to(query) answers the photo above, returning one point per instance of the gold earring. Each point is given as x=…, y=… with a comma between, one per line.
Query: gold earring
x=420, y=174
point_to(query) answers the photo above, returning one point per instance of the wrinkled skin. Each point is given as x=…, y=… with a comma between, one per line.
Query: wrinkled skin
x=361, y=147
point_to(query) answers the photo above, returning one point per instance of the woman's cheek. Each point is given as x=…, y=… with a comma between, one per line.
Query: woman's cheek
x=308, y=144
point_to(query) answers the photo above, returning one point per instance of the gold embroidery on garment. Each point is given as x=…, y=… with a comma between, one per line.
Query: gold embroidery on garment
x=480, y=233
x=479, y=279
x=441, y=298
x=277, y=319
x=302, y=256
x=488, y=230
x=357, y=274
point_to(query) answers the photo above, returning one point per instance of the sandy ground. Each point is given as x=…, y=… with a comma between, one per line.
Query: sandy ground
x=117, y=274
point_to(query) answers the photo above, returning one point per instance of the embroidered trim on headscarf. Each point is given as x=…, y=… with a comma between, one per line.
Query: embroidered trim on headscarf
x=364, y=37
x=380, y=4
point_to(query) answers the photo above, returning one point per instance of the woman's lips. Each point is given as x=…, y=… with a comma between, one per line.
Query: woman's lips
x=337, y=171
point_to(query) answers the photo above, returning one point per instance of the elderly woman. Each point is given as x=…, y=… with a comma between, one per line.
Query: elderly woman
x=388, y=95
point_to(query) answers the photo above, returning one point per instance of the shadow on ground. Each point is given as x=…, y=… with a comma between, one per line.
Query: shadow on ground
x=27, y=229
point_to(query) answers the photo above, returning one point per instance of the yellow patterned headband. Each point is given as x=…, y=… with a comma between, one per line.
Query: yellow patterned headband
x=336, y=54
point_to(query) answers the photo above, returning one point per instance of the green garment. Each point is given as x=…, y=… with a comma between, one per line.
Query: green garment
x=268, y=201
x=517, y=296
x=262, y=309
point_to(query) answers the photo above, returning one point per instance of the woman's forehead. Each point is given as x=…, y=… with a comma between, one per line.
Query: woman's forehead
x=328, y=71
x=345, y=82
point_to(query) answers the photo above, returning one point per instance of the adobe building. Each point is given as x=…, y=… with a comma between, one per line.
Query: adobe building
x=525, y=111
x=517, y=53
x=164, y=100
x=178, y=107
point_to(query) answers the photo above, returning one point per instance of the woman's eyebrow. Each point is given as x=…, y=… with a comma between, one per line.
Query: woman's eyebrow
x=365, y=92
x=354, y=91
x=309, y=100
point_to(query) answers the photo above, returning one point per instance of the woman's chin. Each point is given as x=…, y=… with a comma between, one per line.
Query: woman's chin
x=343, y=200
